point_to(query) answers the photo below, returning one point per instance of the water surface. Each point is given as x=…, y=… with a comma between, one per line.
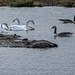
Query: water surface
x=54, y=61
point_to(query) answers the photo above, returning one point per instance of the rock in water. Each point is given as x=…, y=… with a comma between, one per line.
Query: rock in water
x=41, y=44
x=18, y=41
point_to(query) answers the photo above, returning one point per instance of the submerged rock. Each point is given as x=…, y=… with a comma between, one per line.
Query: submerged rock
x=18, y=41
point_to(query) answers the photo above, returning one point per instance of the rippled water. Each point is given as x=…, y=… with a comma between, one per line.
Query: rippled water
x=54, y=61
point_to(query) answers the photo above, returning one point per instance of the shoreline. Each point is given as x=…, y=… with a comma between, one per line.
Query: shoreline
x=39, y=4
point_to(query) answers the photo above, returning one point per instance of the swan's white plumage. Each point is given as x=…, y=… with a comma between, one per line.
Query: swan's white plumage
x=3, y=31
x=3, y=27
x=17, y=27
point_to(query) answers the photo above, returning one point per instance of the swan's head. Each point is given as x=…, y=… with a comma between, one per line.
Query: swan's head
x=4, y=24
x=33, y=22
x=30, y=21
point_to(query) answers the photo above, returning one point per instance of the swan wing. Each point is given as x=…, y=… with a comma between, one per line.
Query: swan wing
x=17, y=28
x=20, y=27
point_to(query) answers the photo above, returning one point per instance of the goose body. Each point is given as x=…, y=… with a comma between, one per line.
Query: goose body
x=18, y=27
x=67, y=20
x=62, y=34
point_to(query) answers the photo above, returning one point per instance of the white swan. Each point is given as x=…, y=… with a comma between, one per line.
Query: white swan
x=18, y=27
x=5, y=25
x=3, y=29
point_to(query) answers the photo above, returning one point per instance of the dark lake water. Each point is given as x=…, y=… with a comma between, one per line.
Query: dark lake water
x=54, y=61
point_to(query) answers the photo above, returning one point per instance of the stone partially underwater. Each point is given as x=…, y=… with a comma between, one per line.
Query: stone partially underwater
x=17, y=41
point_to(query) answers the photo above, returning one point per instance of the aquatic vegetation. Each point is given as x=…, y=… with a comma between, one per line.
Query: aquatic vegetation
x=22, y=3
x=30, y=3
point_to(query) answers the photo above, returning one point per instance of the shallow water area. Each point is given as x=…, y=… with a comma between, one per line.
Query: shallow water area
x=53, y=61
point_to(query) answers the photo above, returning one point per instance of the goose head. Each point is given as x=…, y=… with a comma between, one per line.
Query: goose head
x=55, y=29
x=17, y=20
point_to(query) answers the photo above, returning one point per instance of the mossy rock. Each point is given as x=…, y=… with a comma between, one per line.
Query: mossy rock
x=41, y=44
x=16, y=41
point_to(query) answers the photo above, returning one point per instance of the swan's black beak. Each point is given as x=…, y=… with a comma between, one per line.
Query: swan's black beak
x=7, y=25
x=33, y=22
x=13, y=20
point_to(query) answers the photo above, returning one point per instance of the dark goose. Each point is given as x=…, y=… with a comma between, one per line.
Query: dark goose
x=62, y=34
x=67, y=20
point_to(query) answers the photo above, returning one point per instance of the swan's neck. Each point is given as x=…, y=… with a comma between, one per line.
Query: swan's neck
x=27, y=23
x=18, y=21
x=4, y=25
x=1, y=25
x=55, y=30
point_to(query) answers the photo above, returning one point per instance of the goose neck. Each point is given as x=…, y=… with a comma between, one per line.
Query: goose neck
x=55, y=30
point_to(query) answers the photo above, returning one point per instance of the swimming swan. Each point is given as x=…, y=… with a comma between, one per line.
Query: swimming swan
x=4, y=26
x=62, y=34
x=3, y=29
x=68, y=20
x=19, y=27
x=17, y=20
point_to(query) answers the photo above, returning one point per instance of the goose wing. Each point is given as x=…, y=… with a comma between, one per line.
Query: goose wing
x=66, y=20
x=65, y=34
